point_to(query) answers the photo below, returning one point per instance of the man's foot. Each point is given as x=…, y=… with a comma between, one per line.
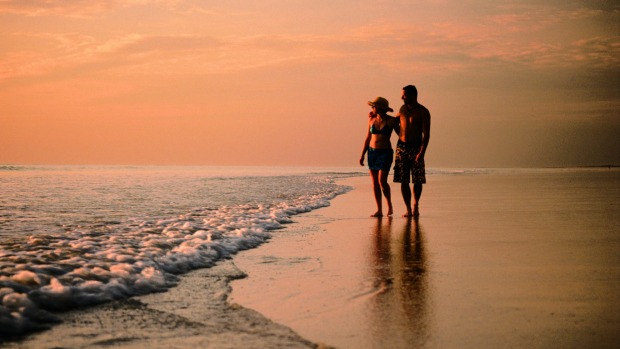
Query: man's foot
x=408, y=214
x=416, y=212
x=390, y=212
x=377, y=214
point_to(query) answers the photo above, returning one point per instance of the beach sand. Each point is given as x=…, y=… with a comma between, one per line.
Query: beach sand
x=526, y=260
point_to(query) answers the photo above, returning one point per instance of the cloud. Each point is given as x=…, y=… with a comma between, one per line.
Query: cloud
x=527, y=36
x=535, y=17
x=522, y=36
x=68, y=52
x=169, y=44
x=73, y=8
x=598, y=51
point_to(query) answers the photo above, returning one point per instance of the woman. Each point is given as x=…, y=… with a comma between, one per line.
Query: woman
x=380, y=152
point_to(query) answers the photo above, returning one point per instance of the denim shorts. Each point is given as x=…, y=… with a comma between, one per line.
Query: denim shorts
x=380, y=159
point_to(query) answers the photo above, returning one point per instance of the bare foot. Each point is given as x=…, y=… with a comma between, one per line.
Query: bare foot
x=390, y=212
x=416, y=212
x=377, y=214
x=408, y=214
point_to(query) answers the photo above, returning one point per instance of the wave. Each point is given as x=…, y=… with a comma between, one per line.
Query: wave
x=90, y=265
x=14, y=168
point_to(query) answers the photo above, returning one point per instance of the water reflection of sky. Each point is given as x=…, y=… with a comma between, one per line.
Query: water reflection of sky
x=400, y=311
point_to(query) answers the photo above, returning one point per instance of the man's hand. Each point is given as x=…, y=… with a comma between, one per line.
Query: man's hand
x=419, y=157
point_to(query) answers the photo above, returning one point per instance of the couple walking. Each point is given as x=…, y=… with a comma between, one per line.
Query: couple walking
x=413, y=125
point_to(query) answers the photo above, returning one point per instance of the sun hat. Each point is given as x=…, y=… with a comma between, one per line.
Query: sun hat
x=381, y=103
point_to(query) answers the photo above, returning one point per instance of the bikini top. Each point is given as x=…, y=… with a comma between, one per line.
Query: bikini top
x=386, y=130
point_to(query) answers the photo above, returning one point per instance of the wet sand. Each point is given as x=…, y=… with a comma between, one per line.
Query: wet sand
x=195, y=314
x=526, y=260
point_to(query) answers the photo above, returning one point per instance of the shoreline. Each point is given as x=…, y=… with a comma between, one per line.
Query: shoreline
x=484, y=266
x=195, y=313
x=491, y=262
x=323, y=279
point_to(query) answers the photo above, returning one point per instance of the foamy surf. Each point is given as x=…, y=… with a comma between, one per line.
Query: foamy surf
x=92, y=264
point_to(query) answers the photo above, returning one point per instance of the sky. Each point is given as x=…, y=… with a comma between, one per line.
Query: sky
x=286, y=82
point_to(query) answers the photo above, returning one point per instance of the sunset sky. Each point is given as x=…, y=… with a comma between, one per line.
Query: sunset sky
x=286, y=82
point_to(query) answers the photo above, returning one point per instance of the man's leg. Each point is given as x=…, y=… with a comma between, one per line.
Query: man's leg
x=417, y=193
x=406, y=191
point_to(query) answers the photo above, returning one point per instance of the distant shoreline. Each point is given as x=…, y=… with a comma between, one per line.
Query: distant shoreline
x=14, y=166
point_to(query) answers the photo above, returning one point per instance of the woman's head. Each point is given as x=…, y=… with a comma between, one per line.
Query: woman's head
x=380, y=104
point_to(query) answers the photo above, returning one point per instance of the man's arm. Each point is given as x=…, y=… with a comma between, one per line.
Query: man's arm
x=426, y=134
x=396, y=124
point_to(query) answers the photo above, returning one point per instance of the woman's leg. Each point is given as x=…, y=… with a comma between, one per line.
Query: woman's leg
x=385, y=188
x=376, y=188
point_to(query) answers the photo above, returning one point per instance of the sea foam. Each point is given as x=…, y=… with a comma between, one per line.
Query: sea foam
x=89, y=265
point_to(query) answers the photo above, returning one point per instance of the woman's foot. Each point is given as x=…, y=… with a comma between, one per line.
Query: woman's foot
x=415, y=213
x=377, y=214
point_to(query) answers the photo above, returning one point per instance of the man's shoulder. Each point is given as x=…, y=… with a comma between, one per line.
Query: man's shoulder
x=424, y=112
x=404, y=110
x=422, y=107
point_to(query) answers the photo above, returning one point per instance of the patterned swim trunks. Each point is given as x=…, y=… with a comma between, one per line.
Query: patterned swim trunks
x=380, y=159
x=406, y=169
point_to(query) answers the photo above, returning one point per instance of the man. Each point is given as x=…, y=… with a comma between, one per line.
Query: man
x=415, y=132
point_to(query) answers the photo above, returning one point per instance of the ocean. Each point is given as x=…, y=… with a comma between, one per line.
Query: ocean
x=77, y=236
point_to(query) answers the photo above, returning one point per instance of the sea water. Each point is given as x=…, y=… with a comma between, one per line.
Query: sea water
x=75, y=236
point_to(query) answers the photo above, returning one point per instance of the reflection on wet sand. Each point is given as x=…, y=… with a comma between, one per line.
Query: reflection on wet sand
x=399, y=311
